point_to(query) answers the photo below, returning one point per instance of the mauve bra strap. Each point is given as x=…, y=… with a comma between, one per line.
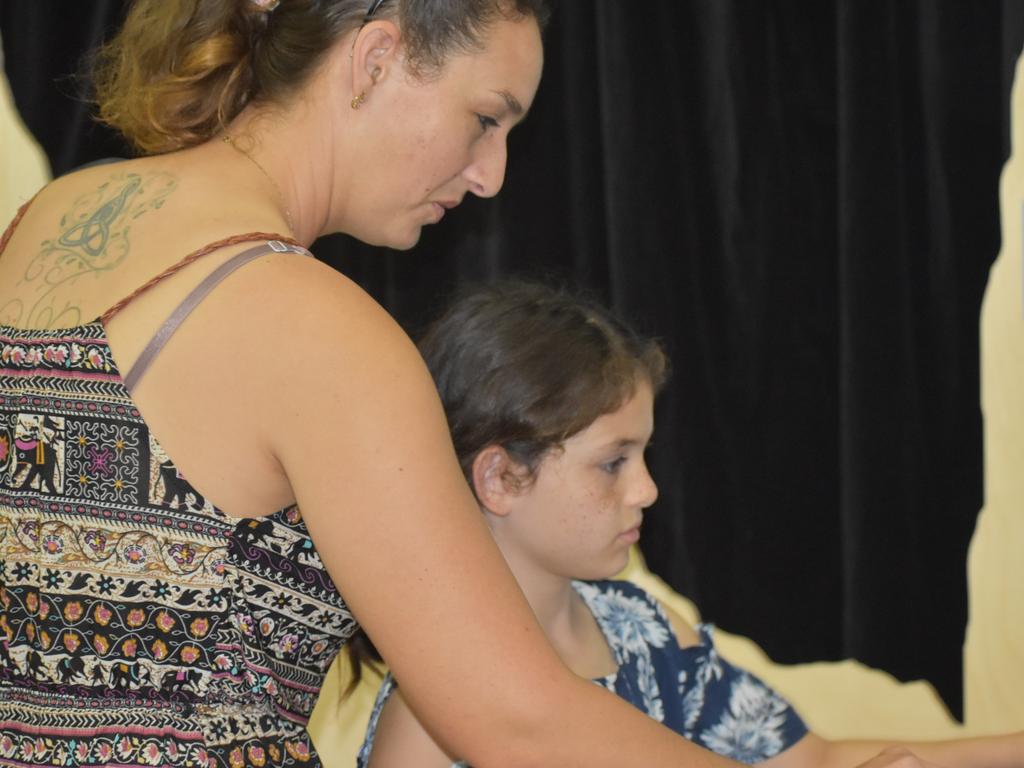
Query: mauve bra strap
x=191, y=301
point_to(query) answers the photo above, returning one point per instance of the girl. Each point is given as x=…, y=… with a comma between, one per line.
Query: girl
x=550, y=403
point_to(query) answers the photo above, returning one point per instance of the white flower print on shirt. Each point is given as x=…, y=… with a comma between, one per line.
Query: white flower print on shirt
x=630, y=622
x=752, y=729
x=692, y=687
x=649, y=690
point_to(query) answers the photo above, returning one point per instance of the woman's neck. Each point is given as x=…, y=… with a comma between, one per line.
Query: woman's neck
x=275, y=153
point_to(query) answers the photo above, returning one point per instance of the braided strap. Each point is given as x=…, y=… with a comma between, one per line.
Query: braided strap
x=14, y=223
x=248, y=237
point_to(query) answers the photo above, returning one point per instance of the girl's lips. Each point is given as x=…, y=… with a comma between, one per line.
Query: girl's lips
x=632, y=536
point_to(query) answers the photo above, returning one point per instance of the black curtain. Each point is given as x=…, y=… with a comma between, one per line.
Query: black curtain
x=800, y=198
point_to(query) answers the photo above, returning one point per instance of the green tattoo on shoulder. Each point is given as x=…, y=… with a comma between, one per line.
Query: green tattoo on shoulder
x=95, y=237
x=92, y=233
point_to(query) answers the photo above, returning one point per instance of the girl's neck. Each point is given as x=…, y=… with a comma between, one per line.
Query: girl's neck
x=552, y=597
x=565, y=618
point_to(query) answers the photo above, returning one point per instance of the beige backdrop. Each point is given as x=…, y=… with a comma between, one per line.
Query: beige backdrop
x=994, y=652
x=837, y=699
x=23, y=166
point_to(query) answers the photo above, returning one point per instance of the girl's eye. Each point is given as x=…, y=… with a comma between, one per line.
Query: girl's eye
x=613, y=466
x=486, y=122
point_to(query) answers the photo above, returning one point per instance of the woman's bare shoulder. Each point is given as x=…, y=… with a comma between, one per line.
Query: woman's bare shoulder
x=59, y=197
x=328, y=338
x=100, y=175
x=311, y=303
x=173, y=203
x=111, y=212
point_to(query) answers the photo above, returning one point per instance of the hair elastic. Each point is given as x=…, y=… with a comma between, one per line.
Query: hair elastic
x=374, y=5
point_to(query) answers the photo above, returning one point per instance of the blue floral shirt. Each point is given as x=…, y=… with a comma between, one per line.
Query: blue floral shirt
x=693, y=690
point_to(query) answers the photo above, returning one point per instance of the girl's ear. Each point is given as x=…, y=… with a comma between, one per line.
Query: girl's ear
x=493, y=479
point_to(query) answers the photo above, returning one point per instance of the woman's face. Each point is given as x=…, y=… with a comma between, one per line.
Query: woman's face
x=584, y=508
x=437, y=139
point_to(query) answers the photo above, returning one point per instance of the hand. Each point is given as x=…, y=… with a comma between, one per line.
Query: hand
x=897, y=757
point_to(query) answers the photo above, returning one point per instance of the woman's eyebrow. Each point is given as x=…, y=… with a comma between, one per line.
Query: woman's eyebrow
x=512, y=102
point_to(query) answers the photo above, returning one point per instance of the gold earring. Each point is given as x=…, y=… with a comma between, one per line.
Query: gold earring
x=357, y=102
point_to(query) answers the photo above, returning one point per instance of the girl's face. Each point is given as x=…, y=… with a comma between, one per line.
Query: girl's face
x=584, y=508
x=438, y=139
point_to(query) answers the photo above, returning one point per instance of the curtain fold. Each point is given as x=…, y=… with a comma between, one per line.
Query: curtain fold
x=801, y=200
x=916, y=238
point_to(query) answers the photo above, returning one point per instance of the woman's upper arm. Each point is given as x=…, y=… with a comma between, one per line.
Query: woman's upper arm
x=361, y=435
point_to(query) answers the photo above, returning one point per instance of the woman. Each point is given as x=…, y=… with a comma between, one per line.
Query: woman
x=550, y=401
x=163, y=602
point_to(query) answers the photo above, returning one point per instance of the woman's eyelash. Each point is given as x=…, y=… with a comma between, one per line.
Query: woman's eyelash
x=487, y=122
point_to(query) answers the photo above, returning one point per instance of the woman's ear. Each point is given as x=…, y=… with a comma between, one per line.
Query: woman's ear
x=494, y=473
x=375, y=56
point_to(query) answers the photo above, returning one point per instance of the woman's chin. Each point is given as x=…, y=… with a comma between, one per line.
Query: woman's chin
x=402, y=241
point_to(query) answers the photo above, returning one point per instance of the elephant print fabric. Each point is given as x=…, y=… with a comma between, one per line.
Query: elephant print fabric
x=38, y=452
x=139, y=625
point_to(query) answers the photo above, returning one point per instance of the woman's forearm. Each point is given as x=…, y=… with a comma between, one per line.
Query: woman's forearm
x=582, y=724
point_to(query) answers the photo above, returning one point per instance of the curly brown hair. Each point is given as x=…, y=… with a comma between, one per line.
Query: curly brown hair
x=180, y=70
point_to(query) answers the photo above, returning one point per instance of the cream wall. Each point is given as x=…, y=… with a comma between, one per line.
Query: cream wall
x=994, y=652
x=23, y=166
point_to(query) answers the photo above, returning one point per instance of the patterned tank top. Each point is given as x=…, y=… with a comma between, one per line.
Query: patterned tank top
x=139, y=625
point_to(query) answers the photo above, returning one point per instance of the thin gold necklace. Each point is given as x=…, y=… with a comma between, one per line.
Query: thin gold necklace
x=280, y=195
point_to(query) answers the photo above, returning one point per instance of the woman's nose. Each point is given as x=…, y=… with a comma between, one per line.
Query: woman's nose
x=486, y=170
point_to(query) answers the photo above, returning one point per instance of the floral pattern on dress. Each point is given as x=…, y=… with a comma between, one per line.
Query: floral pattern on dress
x=752, y=729
x=701, y=695
x=693, y=691
x=633, y=627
